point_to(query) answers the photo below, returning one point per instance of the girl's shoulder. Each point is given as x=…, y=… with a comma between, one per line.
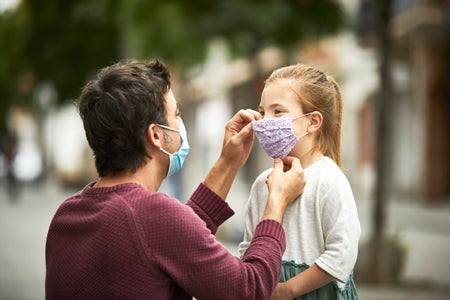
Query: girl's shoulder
x=263, y=176
x=325, y=171
x=259, y=185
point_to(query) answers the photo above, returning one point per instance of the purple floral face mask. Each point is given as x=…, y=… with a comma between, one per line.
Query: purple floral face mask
x=276, y=135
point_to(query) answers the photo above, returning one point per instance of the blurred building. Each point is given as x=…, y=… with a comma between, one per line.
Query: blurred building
x=420, y=48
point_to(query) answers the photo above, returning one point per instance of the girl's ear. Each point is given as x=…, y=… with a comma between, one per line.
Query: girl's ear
x=154, y=135
x=316, y=119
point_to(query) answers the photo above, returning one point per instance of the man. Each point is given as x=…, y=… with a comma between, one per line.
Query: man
x=119, y=238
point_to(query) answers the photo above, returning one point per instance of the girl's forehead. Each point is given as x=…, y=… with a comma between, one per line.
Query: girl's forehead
x=278, y=93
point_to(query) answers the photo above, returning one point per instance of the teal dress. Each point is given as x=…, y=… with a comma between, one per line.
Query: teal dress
x=331, y=291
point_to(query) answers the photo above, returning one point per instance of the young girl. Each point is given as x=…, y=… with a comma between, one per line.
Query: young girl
x=302, y=114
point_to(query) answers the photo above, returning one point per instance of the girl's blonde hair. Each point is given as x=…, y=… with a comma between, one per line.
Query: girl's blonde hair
x=317, y=92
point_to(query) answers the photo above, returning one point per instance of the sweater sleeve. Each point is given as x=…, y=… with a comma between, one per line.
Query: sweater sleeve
x=341, y=228
x=186, y=250
x=209, y=207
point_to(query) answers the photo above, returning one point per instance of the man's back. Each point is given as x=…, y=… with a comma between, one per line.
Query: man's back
x=94, y=249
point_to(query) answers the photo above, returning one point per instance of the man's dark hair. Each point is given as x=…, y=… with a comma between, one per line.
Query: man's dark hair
x=117, y=107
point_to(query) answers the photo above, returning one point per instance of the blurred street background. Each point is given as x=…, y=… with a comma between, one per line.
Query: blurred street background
x=390, y=57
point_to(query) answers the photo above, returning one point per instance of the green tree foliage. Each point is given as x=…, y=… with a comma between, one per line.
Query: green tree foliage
x=66, y=41
x=59, y=41
x=70, y=38
x=180, y=30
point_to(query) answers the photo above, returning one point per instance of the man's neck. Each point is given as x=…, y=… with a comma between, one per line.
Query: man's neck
x=142, y=177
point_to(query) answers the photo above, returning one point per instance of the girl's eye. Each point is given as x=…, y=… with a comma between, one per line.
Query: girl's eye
x=278, y=111
x=261, y=113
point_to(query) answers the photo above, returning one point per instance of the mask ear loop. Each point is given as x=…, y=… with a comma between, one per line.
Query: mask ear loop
x=165, y=151
x=307, y=114
x=168, y=128
x=303, y=134
x=171, y=129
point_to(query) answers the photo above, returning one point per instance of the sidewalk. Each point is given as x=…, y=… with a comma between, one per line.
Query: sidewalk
x=400, y=293
x=425, y=232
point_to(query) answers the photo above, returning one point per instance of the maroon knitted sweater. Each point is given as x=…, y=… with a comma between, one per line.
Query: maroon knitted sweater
x=124, y=242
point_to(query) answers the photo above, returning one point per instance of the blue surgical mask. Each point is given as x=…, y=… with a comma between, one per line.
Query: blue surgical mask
x=176, y=159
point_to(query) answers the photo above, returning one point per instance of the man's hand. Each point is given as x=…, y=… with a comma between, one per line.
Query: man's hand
x=237, y=144
x=238, y=139
x=285, y=183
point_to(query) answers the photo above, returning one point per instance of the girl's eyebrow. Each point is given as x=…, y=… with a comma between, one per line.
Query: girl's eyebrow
x=272, y=105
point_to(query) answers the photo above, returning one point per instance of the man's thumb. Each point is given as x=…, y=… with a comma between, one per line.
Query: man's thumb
x=278, y=163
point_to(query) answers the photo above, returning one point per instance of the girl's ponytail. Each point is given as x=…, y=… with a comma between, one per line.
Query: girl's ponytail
x=335, y=147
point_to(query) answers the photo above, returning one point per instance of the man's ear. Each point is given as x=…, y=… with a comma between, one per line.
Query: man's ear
x=316, y=119
x=154, y=135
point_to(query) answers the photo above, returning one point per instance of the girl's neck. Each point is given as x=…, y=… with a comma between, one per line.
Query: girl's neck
x=310, y=157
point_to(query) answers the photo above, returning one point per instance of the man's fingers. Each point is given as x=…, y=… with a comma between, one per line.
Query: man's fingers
x=244, y=133
x=247, y=115
x=288, y=160
x=255, y=114
x=240, y=120
x=292, y=162
x=278, y=164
